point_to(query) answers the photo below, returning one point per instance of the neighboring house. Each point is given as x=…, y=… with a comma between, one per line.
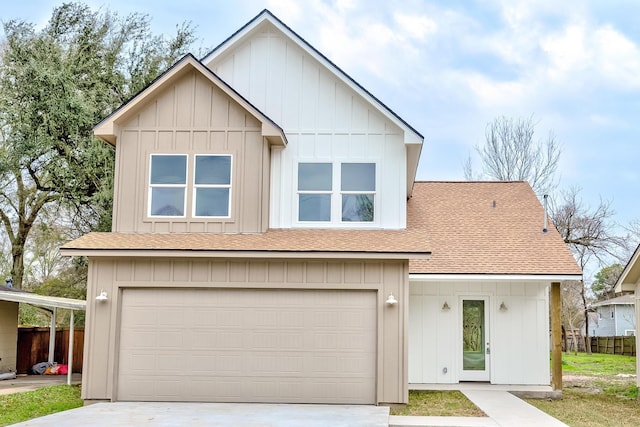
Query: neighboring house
x=8, y=333
x=270, y=244
x=614, y=317
x=629, y=281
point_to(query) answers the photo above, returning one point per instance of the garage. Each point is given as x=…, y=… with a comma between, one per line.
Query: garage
x=247, y=345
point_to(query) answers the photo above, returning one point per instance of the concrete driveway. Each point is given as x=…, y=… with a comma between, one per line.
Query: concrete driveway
x=216, y=414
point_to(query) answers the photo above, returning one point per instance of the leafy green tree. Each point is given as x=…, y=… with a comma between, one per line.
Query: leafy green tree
x=55, y=85
x=603, y=286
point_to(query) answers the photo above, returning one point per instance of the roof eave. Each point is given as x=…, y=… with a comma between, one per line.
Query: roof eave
x=630, y=277
x=226, y=253
x=498, y=277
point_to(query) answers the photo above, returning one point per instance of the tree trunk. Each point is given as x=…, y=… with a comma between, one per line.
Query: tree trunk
x=587, y=341
x=17, y=255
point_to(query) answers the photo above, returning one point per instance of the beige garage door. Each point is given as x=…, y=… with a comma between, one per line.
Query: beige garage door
x=222, y=345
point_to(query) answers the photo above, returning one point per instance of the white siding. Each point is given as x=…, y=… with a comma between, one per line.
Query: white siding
x=519, y=336
x=324, y=120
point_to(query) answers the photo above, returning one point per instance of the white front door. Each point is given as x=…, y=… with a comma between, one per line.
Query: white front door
x=474, y=346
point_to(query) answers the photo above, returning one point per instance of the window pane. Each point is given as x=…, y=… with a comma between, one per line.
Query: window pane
x=358, y=177
x=357, y=207
x=212, y=202
x=314, y=177
x=213, y=170
x=314, y=207
x=168, y=169
x=167, y=201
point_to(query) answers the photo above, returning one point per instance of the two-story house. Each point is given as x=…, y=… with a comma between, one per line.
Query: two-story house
x=270, y=244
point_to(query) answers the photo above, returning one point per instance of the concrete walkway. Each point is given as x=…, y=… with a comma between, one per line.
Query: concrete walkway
x=502, y=408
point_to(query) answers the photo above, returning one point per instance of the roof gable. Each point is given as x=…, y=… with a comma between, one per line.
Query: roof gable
x=630, y=276
x=412, y=138
x=108, y=128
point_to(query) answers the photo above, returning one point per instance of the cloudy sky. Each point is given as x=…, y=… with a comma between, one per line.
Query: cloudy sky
x=449, y=67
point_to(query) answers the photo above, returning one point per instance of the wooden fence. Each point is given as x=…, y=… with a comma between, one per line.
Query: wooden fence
x=614, y=345
x=33, y=347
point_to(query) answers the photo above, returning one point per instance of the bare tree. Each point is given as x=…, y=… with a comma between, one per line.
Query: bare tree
x=510, y=153
x=632, y=240
x=589, y=233
x=572, y=312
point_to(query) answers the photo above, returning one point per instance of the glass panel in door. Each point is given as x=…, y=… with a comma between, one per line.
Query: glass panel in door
x=473, y=335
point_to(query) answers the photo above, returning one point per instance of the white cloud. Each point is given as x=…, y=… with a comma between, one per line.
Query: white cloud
x=415, y=26
x=618, y=58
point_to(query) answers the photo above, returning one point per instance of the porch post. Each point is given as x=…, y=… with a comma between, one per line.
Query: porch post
x=52, y=336
x=70, y=358
x=556, y=337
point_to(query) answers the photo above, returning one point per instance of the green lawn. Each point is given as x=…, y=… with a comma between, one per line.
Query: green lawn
x=598, y=364
x=18, y=407
x=438, y=403
x=600, y=394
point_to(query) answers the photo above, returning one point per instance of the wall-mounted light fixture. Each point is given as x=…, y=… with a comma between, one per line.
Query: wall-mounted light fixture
x=102, y=297
x=391, y=300
x=503, y=306
x=445, y=306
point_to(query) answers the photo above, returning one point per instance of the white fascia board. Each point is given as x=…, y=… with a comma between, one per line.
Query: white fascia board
x=494, y=277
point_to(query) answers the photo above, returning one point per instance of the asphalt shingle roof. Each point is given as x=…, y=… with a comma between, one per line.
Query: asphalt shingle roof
x=469, y=228
x=485, y=228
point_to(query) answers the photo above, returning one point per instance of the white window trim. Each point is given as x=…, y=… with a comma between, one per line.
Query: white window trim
x=336, y=196
x=300, y=192
x=196, y=186
x=152, y=186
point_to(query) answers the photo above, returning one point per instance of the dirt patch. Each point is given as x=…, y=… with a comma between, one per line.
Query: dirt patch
x=593, y=383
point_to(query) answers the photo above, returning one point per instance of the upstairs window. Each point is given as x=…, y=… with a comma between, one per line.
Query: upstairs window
x=358, y=187
x=168, y=184
x=211, y=185
x=315, y=184
x=321, y=199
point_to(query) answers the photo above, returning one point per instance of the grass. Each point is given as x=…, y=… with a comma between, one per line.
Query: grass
x=18, y=407
x=599, y=394
x=580, y=409
x=438, y=403
x=598, y=364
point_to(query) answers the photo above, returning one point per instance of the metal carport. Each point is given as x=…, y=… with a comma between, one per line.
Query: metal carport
x=53, y=303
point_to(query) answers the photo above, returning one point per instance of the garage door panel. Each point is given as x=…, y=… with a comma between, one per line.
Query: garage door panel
x=248, y=346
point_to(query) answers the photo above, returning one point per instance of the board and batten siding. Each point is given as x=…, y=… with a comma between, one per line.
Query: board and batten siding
x=117, y=274
x=192, y=116
x=519, y=335
x=324, y=121
x=8, y=336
